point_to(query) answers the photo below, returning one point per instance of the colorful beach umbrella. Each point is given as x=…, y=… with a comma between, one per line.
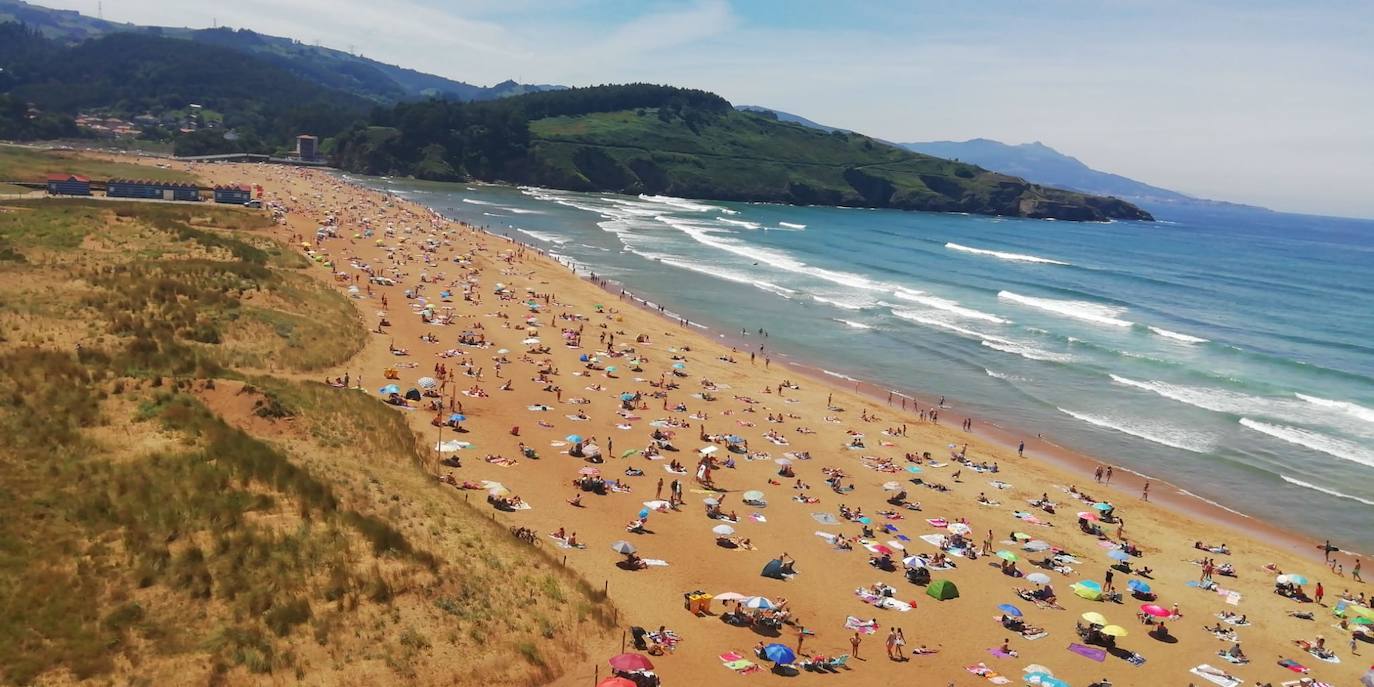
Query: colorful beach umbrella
x=616, y=681
x=779, y=653
x=427, y=382
x=1094, y=617
x=389, y=389
x=1102, y=506
x=1020, y=536
x=1090, y=517
x=589, y=471
x=627, y=397
x=1010, y=610
x=959, y=528
x=1156, y=611
x=1114, y=631
x=761, y=603
x=1138, y=586
x=573, y=438
x=679, y=366
x=1008, y=556
x=1118, y=555
x=457, y=417
x=631, y=663
x=1291, y=579
x=914, y=562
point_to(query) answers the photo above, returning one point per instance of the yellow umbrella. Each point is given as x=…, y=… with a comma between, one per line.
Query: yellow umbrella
x=1095, y=618
x=1088, y=593
x=1359, y=611
x=1114, y=631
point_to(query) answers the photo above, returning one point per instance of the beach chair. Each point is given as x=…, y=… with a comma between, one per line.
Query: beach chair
x=841, y=661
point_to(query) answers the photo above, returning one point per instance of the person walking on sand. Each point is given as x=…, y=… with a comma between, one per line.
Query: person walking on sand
x=901, y=642
x=854, y=643
x=658, y=493
x=1355, y=572
x=1319, y=593
x=1145, y=493
x=1021, y=450
x=891, y=643
x=1097, y=474
x=1109, y=474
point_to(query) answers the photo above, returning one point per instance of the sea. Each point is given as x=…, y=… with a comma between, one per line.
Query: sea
x=1226, y=350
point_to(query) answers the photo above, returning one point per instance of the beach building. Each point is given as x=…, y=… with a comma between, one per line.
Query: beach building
x=68, y=185
x=307, y=147
x=238, y=194
x=159, y=190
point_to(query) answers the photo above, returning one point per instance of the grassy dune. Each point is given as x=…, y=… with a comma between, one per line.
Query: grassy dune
x=28, y=164
x=171, y=513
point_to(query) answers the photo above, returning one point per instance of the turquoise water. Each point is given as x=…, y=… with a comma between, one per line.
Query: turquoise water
x=1228, y=351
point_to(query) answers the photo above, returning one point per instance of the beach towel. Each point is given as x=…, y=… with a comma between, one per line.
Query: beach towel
x=1030, y=637
x=1293, y=665
x=1300, y=683
x=738, y=663
x=983, y=671
x=655, y=563
x=826, y=536
x=757, y=517
x=938, y=522
x=1216, y=676
x=863, y=627
x=997, y=651
x=1088, y=652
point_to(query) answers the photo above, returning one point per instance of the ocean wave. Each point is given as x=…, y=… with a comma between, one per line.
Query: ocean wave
x=946, y=305
x=921, y=318
x=1159, y=434
x=1216, y=400
x=1316, y=441
x=1324, y=490
x=790, y=225
x=473, y=201
x=1354, y=410
x=545, y=237
x=841, y=376
x=522, y=211
x=1080, y=310
x=740, y=223
x=767, y=256
x=1028, y=352
x=854, y=325
x=718, y=273
x=1001, y=375
x=1185, y=338
x=1014, y=257
x=847, y=305
x=684, y=204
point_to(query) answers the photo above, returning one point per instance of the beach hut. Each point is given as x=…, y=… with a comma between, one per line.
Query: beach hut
x=942, y=590
x=68, y=185
x=237, y=194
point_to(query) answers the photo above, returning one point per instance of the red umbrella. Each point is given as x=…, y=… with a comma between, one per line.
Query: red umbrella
x=631, y=662
x=1156, y=611
x=1092, y=517
x=589, y=471
x=882, y=550
x=616, y=681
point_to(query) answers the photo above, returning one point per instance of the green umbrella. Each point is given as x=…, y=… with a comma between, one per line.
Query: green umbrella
x=1008, y=556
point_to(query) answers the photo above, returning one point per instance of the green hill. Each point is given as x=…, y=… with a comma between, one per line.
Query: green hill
x=326, y=67
x=660, y=140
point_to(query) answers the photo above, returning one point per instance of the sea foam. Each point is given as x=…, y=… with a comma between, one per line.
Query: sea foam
x=1159, y=434
x=1324, y=490
x=1316, y=441
x=1013, y=257
x=1185, y=338
x=1080, y=310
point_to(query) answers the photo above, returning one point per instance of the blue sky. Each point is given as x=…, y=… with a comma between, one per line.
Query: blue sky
x=1259, y=102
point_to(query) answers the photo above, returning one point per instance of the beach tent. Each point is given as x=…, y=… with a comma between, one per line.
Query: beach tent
x=942, y=590
x=773, y=570
x=413, y=394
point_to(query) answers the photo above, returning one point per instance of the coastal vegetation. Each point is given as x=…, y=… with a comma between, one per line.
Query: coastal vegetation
x=176, y=505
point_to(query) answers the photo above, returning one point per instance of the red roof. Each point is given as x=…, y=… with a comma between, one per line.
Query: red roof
x=67, y=177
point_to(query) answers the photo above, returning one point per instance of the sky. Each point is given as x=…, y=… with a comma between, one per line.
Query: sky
x=1269, y=103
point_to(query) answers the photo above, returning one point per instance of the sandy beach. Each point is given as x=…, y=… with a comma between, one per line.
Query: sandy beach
x=547, y=355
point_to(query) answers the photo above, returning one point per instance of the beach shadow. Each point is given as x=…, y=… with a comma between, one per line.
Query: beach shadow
x=1166, y=639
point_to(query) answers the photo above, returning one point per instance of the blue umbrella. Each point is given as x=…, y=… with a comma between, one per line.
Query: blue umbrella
x=1090, y=585
x=679, y=366
x=457, y=417
x=389, y=389
x=1010, y=610
x=734, y=439
x=912, y=469
x=584, y=357
x=1102, y=506
x=1138, y=586
x=644, y=514
x=1118, y=555
x=779, y=653
x=627, y=397
x=574, y=438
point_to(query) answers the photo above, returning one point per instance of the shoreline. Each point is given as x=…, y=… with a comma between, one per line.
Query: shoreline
x=653, y=598
x=1062, y=458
